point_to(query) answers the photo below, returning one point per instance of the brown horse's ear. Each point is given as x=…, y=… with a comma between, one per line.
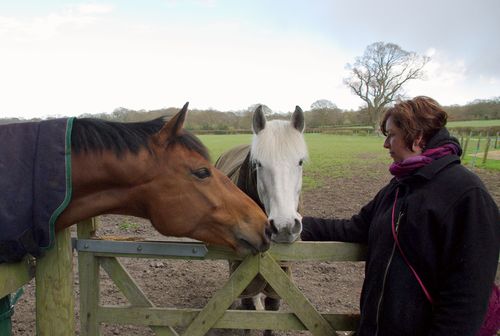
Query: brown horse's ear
x=259, y=120
x=298, y=119
x=173, y=127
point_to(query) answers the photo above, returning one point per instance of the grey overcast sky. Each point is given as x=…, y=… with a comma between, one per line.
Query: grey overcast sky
x=70, y=57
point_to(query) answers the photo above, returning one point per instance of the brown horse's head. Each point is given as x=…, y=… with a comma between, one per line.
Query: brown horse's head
x=188, y=196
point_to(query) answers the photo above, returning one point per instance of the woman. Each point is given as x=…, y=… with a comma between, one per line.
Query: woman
x=445, y=222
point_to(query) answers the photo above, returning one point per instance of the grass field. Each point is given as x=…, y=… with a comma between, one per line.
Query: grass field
x=474, y=123
x=337, y=156
x=329, y=155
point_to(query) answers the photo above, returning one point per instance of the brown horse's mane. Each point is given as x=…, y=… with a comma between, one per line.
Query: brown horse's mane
x=89, y=134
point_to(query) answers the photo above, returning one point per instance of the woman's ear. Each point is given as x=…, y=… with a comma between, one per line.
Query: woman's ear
x=418, y=144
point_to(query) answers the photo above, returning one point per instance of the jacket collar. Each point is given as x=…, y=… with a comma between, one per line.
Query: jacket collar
x=429, y=171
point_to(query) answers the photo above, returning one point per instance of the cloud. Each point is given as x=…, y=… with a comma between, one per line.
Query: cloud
x=93, y=8
x=89, y=57
x=227, y=65
x=445, y=70
x=50, y=25
x=489, y=80
x=450, y=81
x=206, y=3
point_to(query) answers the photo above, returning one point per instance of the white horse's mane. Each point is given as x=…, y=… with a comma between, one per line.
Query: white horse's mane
x=278, y=141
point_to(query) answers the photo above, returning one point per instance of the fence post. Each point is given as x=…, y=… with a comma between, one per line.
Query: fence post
x=488, y=141
x=464, y=149
x=477, y=150
x=88, y=271
x=55, y=301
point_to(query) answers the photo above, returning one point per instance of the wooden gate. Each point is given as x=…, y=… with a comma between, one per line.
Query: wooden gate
x=93, y=254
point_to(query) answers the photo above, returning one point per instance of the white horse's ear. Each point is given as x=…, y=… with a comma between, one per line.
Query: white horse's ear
x=259, y=120
x=298, y=119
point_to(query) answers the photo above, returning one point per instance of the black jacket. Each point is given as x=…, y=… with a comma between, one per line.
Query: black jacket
x=450, y=232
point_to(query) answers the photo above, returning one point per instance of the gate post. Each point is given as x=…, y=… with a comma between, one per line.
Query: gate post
x=54, y=289
x=88, y=270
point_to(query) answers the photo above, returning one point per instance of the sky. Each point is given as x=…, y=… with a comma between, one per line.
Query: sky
x=67, y=58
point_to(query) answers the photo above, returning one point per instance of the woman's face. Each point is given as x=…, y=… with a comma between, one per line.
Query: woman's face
x=396, y=145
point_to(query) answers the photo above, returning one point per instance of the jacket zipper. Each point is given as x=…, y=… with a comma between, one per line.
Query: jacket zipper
x=385, y=275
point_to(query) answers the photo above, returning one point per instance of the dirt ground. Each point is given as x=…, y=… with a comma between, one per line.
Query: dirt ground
x=330, y=286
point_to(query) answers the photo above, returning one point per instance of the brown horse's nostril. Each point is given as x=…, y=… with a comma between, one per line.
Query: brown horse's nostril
x=274, y=229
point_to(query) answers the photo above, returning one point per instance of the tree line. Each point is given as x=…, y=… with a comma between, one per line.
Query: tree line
x=322, y=113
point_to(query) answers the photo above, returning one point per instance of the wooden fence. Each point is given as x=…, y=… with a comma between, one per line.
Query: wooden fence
x=55, y=299
x=478, y=146
x=54, y=287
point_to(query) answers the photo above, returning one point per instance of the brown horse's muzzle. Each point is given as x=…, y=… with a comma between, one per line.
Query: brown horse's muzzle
x=252, y=242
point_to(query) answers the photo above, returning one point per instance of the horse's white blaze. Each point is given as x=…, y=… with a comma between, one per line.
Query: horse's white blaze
x=277, y=152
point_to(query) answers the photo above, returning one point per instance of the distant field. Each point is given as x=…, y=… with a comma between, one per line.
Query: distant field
x=474, y=123
x=218, y=144
x=336, y=156
x=466, y=123
x=330, y=156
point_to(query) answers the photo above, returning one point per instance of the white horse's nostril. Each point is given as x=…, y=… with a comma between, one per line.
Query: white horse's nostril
x=274, y=229
x=297, y=227
x=284, y=228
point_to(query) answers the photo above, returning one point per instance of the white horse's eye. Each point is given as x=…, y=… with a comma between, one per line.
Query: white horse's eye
x=256, y=164
x=301, y=162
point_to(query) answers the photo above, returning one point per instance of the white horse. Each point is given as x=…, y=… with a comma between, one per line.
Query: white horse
x=270, y=172
x=277, y=154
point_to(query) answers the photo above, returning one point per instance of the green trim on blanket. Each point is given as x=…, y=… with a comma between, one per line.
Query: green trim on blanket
x=69, y=186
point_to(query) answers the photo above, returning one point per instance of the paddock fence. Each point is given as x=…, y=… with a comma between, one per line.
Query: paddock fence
x=478, y=146
x=55, y=298
x=54, y=289
x=53, y=275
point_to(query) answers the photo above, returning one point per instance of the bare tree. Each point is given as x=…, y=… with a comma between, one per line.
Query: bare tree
x=265, y=108
x=323, y=104
x=378, y=76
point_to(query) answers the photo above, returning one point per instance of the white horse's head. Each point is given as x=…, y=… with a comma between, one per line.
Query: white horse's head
x=278, y=152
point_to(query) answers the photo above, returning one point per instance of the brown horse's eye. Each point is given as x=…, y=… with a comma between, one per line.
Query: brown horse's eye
x=202, y=173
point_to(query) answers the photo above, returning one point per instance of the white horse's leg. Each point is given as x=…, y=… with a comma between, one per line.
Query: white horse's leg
x=258, y=301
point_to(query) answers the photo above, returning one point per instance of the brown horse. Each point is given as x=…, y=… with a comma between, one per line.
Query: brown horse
x=159, y=171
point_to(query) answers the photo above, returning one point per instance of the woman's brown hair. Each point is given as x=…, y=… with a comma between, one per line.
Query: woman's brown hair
x=420, y=116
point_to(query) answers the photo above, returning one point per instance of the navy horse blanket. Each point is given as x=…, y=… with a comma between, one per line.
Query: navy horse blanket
x=35, y=185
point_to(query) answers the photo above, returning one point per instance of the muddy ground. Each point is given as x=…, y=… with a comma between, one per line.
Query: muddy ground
x=330, y=286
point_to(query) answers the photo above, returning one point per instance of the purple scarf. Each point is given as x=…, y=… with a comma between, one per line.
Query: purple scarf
x=408, y=166
x=491, y=322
